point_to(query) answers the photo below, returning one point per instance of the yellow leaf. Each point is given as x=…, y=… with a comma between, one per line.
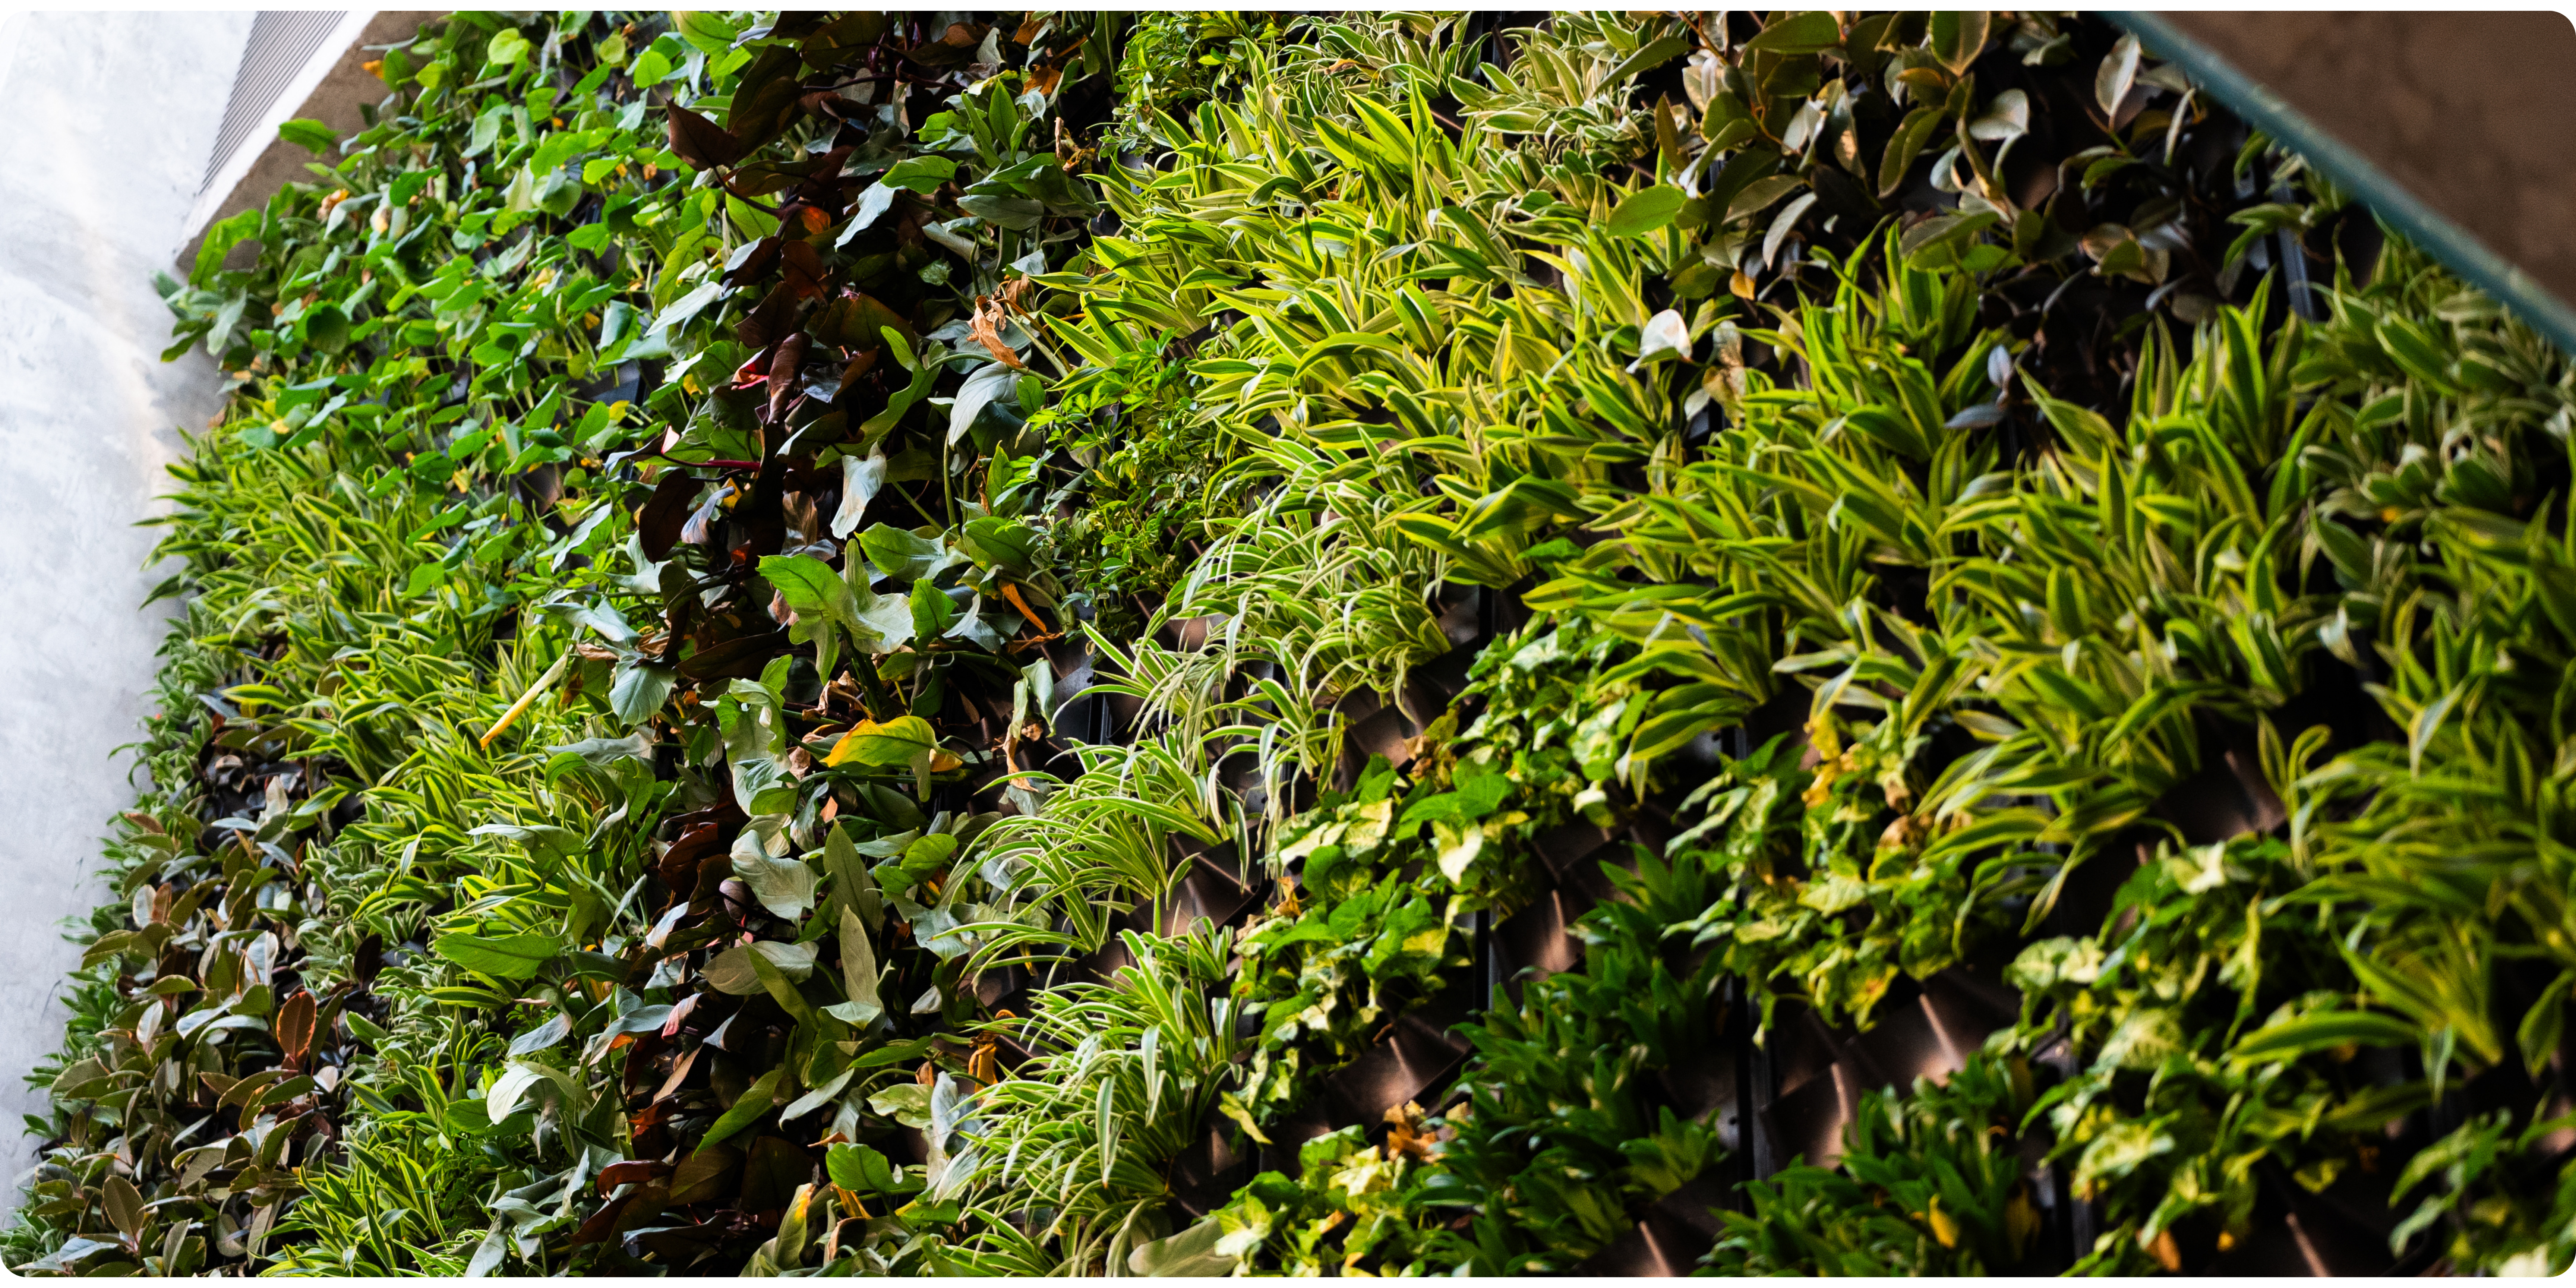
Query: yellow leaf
x=892, y=743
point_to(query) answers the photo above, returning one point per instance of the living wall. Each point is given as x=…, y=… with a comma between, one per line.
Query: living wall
x=1181, y=643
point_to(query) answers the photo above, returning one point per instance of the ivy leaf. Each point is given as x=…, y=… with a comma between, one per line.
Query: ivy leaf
x=507, y=48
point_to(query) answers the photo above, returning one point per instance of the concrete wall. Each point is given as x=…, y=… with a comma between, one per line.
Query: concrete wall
x=332, y=85
x=2473, y=112
x=111, y=118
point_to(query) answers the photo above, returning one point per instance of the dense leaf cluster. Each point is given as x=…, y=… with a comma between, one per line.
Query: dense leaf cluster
x=1029, y=644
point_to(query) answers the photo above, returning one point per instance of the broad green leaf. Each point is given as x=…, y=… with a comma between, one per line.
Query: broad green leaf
x=500, y=956
x=921, y=174
x=990, y=384
x=506, y=47
x=1001, y=543
x=862, y=1170
x=905, y=556
x=809, y=585
x=1957, y=35
x=1757, y=196
x=785, y=886
x=861, y=479
x=858, y=971
x=756, y=1100
x=907, y=1103
x=780, y=988
x=1191, y=1253
x=309, y=134
x=933, y=612
x=326, y=327
x=1800, y=33
x=730, y=971
x=1646, y=210
x=639, y=689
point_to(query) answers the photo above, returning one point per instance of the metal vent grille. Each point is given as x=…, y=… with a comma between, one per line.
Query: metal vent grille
x=281, y=43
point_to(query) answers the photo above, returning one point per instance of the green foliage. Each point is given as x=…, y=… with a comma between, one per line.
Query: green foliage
x=1174, y=60
x=1352, y=1208
x=501, y=762
x=1928, y=1184
x=607, y=810
x=2205, y=1013
x=1563, y=1141
x=1151, y=490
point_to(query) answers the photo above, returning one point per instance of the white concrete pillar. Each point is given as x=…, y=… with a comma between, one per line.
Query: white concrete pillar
x=111, y=119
